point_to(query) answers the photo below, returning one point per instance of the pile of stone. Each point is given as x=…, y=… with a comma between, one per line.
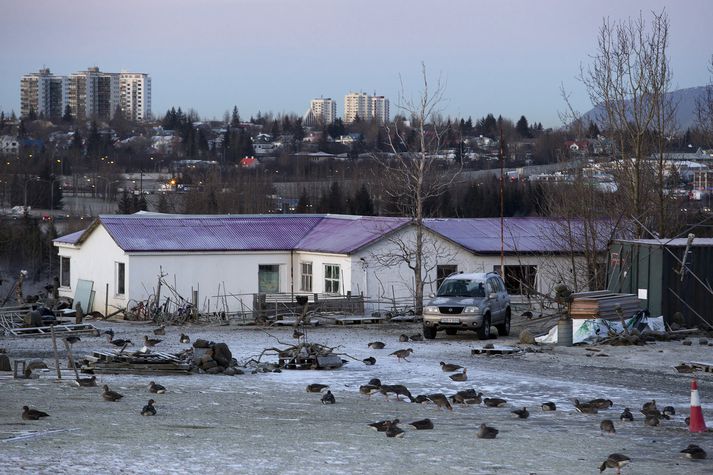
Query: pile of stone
x=214, y=358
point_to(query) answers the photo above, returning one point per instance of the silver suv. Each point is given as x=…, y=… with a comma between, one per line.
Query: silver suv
x=468, y=302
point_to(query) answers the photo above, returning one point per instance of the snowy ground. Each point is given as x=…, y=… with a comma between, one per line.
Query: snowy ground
x=268, y=423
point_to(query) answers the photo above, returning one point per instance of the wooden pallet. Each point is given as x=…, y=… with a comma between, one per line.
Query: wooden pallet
x=351, y=320
x=59, y=330
x=496, y=350
x=108, y=362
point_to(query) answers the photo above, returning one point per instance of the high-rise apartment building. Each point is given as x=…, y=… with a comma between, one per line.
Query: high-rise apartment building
x=42, y=93
x=323, y=110
x=93, y=94
x=366, y=107
x=135, y=95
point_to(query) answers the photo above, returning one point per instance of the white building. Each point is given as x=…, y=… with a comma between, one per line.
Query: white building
x=295, y=254
x=42, y=93
x=92, y=94
x=379, y=109
x=135, y=95
x=366, y=107
x=324, y=110
x=9, y=144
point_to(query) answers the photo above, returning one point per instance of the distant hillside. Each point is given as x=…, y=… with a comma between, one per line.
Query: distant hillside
x=685, y=112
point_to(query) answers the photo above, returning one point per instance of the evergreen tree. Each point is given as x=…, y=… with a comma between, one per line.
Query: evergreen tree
x=22, y=130
x=593, y=130
x=303, y=205
x=235, y=118
x=67, y=116
x=336, y=199
x=162, y=206
x=32, y=115
x=362, y=203
x=125, y=205
x=522, y=127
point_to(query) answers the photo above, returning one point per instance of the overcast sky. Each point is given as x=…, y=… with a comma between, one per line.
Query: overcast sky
x=504, y=57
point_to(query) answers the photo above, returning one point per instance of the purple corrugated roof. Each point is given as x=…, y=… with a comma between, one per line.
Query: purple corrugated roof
x=346, y=234
x=69, y=238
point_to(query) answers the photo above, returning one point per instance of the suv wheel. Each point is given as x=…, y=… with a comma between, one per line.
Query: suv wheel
x=429, y=333
x=484, y=330
x=504, y=329
x=451, y=331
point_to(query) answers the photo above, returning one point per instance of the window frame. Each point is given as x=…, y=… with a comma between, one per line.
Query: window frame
x=330, y=279
x=120, y=278
x=306, y=278
x=67, y=283
x=261, y=289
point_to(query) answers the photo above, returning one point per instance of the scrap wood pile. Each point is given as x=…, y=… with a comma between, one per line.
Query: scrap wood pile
x=603, y=304
x=302, y=355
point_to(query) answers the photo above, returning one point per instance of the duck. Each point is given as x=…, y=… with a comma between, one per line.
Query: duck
x=649, y=406
x=694, y=452
x=467, y=395
x=151, y=342
x=156, y=388
x=487, y=432
x=110, y=395
x=584, y=408
x=421, y=399
x=601, y=403
x=148, y=409
x=119, y=342
x=72, y=339
x=616, y=461
x=316, y=387
x=184, y=338
x=449, y=368
x=440, y=400
x=370, y=361
x=394, y=431
x=86, y=382
x=460, y=376
x=494, y=402
x=549, y=406
x=376, y=345
x=381, y=426
x=655, y=413
x=607, y=426
x=32, y=414
x=402, y=354
x=652, y=421
x=375, y=382
x=669, y=411
x=328, y=398
x=397, y=389
x=423, y=424
x=626, y=415
x=160, y=330
x=368, y=389
x=403, y=338
x=521, y=413
x=416, y=337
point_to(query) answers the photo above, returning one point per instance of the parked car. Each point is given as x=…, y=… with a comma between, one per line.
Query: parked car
x=472, y=302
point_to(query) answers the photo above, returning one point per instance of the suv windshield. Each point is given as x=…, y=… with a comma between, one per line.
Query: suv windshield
x=461, y=288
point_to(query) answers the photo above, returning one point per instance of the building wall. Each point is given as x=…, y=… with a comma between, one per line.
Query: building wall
x=324, y=110
x=135, y=95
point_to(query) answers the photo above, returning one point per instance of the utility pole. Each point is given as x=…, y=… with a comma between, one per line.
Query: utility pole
x=502, y=205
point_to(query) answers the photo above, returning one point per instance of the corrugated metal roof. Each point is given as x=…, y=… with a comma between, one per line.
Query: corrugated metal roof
x=69, y=238
x=676, y=242
x=346, y=234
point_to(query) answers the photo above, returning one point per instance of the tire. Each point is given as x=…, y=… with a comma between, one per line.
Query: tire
x=484, y=330
x=451, y=331
x=429, y=333
x=504, y=328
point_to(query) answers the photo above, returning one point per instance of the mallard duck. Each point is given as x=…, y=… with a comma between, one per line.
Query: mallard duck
x=626, y=415
x=110, y=395
x=148, y=409
x=584, y=407
x=694, y=452
x=156, y=388
x=402, y=354
x=494, y=402
x=328, y=398
x=32, y=414
x=394, y=431
x=403, y=338
x=151, y=342
x=397, y=389
x=549, y=406
x=601, y=403
x=607, y=426
x=376, y=345
x=487, y=432
x=460, y=376
x=449, y=368
x=423, y=424
x=381, y=426
x=316, y=387
x=370, y=361
x=440, y=400
x=616, y=461
x=184, y=338
x=86, y=382
x=521, y=413
x=160, y=330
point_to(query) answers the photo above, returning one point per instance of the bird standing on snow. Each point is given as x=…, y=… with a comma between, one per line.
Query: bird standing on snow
x=328, y=398
x=394, y=431
x=87, y=382
x=72, y=339
x=402, y=354
x=494, y=402
x=616, y=461
x=184, y=338
x=440, y=400
x=160, y=330
x=370, y=361
x=460, y=376
x=423, y=424
x=449, y=368
x=110, y=395
x=376, y=345
x=156, y=388
x=151, y=342
x=403, y=338
x=694, y=452
x=381, y=426
x=316, y=388
x=521, y=413
x=549, y=406
x=487, y=432
x=148, y=409
x=626, y=415
x=32, y=414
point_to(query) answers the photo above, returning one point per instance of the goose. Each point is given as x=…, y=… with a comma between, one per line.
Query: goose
x=156, y=388
x=368, y=389
x=403, y=338
x=376, y=345
x=440, y=400
x=375, y=382
x=110, y=395
x=370, y=361
x=381, y=426
x=394, y=431
x=494, y=402
x=421, y=399
x=487, y=432
x=119, y=342
x=397, y=389
x=652, y=421
x=626, y=415
x=694, y=452
x=316, y=388
x=32, y=414
x=549, y=406
x=584, y=408
x=328, y=398
x=616, y=461
x=423, y=424
x=151, y=342
x=449, y=368
x=465, y=395
x=460, y=376
x=607, y=426
x=184, y=338
x=160, y=330
x=601, y=403
x=521, y=413
x=148, y=409
x=402, y=354
x=649, y=406
x=86, y=382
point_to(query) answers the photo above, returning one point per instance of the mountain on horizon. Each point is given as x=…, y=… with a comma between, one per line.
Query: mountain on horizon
x=685, y=99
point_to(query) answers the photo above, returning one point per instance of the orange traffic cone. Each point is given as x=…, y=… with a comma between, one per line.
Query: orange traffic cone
x=697, y=423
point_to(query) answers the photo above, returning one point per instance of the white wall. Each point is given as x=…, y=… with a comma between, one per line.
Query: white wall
x=318, y=261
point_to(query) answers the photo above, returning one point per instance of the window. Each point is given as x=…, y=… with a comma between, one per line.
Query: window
x=120, y=278
x=64, y=272
x=444, y=271
x=268, y=278
x=331, y=278
x=519, y=280
x=306, y=276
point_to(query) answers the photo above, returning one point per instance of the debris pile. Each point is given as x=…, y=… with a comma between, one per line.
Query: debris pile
x=214, y=358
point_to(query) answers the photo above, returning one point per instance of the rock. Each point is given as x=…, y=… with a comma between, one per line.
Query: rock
x=702, y=341
x=4, y=362
x=201, y=343
x=526, y=337
x=229, y=371
x=214, y=370
x=208, y=364
x=222, y=354
x=678, y=319
x=687, y=342
x=675, y=326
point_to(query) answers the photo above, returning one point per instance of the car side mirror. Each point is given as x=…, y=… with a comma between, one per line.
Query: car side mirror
x=431, y=295
x=492, y=295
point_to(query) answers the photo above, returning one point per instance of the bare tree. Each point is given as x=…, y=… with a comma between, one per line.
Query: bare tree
x=414, y=173
x=704, y=110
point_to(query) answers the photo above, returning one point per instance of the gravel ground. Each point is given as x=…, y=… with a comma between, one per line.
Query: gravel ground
x=268, y=423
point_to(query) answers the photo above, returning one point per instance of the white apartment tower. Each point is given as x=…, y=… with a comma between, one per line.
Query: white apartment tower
x=360, y=104
x=324, y=110
x=93, y=94
x=135, y=95
x=42, y=93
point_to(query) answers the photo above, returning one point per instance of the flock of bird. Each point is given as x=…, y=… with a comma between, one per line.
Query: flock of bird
x=652, y=415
